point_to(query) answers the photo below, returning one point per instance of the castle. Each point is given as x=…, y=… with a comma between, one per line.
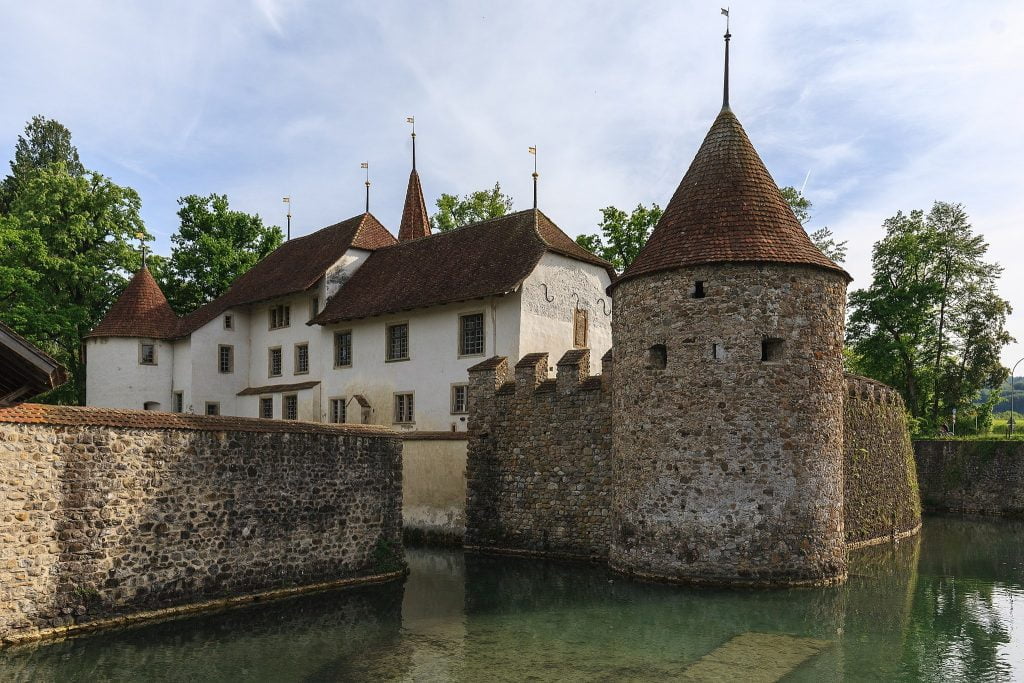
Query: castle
x=722, y=443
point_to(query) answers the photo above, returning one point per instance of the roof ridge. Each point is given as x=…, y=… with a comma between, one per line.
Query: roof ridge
x=439, y=233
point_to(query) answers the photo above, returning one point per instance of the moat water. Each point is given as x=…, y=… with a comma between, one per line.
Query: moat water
x=947, y=606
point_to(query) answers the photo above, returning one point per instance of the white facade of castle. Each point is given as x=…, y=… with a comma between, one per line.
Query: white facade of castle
x=404, y=369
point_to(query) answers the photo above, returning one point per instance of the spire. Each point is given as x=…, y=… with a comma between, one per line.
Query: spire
x=727, y=209
x=725, y=86
x=141, y=311
x=415, y=222
x=412, y=120
x=533, y=151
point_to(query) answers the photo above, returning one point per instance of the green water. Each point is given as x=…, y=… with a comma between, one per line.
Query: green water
x=947, y=606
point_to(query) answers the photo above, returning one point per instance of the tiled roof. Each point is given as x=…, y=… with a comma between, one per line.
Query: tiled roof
x=415, y=221
x=141, y=311
x=35, y=413
x=489, y=258
x=25, y=370
x=278, y=388
x=726, y=209
x=293, y=267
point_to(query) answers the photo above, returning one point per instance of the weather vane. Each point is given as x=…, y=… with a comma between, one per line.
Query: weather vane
x=412, y=120
x=288, y=201
x=725, y=86
x=533, y=151
x=366, y=165
x=142, y=245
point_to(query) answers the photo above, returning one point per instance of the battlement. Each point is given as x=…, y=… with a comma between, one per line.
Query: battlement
x=494, y=376
x=867, y=389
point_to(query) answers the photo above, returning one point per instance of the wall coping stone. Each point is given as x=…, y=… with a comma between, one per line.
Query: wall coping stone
x=78, y=416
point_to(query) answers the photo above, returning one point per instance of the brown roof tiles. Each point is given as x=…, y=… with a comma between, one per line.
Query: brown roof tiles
x=278, y=388
x=293, y=267
x=141, y=311
x=484, y=259
x=415, y=222
x=726, y=209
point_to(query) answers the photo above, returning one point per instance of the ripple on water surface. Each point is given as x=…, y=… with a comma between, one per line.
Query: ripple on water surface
x=936, y=608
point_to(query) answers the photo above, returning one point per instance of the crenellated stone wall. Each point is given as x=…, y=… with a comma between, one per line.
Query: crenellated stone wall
x=539, y=470
x=541, y=475
x=880, y=494
x=107, y=513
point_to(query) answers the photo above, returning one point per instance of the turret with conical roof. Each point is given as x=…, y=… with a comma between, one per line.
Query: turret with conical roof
x=415, y=220
x=727, y=418
x=141, y=311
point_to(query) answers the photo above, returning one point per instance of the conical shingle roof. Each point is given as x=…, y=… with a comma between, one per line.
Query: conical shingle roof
x=415, y=221
x=726, y=209
x=141, y=311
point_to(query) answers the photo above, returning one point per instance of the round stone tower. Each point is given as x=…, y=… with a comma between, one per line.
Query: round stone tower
x=728, y=385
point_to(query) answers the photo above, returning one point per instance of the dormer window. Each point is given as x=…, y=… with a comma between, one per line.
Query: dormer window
x=280, y=316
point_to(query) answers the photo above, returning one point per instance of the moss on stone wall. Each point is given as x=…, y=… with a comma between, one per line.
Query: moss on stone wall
x=977, y=477
x=881, y=491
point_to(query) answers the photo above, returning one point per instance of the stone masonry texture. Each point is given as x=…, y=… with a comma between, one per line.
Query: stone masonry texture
x=538, y=471
x=972, y=477
x=729, y=469
x=880, y=492
x=103, y=519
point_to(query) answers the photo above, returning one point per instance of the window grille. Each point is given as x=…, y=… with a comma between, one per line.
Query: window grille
x=398, y=341
x=342, y=349
x=291, y=407
x=301, y=359
x=147, y=353
x=226, y=358
x=471, y=334
x=460, y=399
x=267, y=408
x=275, y=363
x=338, y=410
x=404, y=408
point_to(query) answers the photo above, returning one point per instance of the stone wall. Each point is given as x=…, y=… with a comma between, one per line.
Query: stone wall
x=729, y=467
x=110, y=512
x=974, y=477
x=539, y=473
x=880, y=496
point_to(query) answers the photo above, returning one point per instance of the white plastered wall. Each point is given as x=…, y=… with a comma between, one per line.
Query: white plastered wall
x=555, y=288
x=116, y=379
x=434, y=363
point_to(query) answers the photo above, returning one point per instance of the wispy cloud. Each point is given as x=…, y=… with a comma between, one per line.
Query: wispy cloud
x=890, y=106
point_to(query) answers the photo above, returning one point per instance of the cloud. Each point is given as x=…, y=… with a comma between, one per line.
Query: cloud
x=889, y=106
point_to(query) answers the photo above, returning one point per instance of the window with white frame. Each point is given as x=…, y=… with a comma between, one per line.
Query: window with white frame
x=404, y=409
x=460, y=399
x=274, y=362
x=337, y=410
x=267, y=408
x=280, y=316
x=301, y=359
x=179, y=402
x=147, y=353
x=398, y=341
x=212, y=408
x=225, y=358
x=291, y=407
x=471, y=334
x=343, y=349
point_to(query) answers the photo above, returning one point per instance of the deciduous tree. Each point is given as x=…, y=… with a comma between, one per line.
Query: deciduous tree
x=44, y=142
x=931, y=322
x=622, y=235
x=453, y=212
x=213, y=246
x=822, y=237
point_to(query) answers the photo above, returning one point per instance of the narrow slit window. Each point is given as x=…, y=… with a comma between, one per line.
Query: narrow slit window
x=717, y=351
x=771, y=350
x=657, y=357
x=698, y=289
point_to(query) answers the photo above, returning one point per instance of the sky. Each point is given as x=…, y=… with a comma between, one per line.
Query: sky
x=871, y=107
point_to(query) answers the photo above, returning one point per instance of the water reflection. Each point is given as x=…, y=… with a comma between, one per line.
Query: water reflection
x=939, y=607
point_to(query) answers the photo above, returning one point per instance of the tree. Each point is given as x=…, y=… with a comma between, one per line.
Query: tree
x=66, y=250
x=43, y=143
x=213, y=246
x=931, y=323
x=453, y=212
x=822, y=237
x=622, y=235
